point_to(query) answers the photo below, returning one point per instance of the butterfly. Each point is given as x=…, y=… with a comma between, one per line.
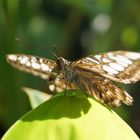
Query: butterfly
x=95, y=74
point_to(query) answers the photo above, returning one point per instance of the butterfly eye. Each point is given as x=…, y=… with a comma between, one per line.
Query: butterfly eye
x=58, y=62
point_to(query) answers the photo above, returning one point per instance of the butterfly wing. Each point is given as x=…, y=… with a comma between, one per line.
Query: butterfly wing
x=101, y=89
x=41, y=67
x=59, y=84
x=118, y=66
x=32, y=64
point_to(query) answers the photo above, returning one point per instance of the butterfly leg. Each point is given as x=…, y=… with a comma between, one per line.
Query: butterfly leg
x=65, y=92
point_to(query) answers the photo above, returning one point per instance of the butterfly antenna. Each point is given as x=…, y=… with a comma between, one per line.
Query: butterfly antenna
x=56, y=50
x=33, y=45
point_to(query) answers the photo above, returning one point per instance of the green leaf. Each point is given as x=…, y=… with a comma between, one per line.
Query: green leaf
x=36, y=97
x=70, y=118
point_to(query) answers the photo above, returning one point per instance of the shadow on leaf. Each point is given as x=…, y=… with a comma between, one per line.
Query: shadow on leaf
x=59, y=107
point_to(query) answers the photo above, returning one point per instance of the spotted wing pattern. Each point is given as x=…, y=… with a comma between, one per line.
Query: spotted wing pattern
x=102, y=88
x=32, y=64
x=59, y=84
x=92, y=74
x=118, y=66
x=41, y=67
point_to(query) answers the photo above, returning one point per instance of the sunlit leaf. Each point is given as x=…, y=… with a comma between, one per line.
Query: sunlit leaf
x=70, y=118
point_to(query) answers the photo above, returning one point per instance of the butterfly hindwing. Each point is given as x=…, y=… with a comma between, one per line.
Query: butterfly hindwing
x=102, y=89
x=59, y=84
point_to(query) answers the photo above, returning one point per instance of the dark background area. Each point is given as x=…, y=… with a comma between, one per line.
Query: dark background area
x=77, y=28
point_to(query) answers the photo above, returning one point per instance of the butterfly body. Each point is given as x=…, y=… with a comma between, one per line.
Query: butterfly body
x=65, y=68
x=94, y=75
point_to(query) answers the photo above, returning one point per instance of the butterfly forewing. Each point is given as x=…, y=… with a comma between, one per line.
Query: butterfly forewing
x=119, y=66
x=42, y=67
x=32, y=64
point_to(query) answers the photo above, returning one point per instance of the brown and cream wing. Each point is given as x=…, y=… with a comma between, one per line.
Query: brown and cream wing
x=102, y=89
x=59, y=84
x=37, y=66
x=119, y=66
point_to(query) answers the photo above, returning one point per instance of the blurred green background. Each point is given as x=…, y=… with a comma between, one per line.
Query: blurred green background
x=77, y=28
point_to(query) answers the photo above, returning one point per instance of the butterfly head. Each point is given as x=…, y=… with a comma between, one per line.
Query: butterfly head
x=61, y=63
